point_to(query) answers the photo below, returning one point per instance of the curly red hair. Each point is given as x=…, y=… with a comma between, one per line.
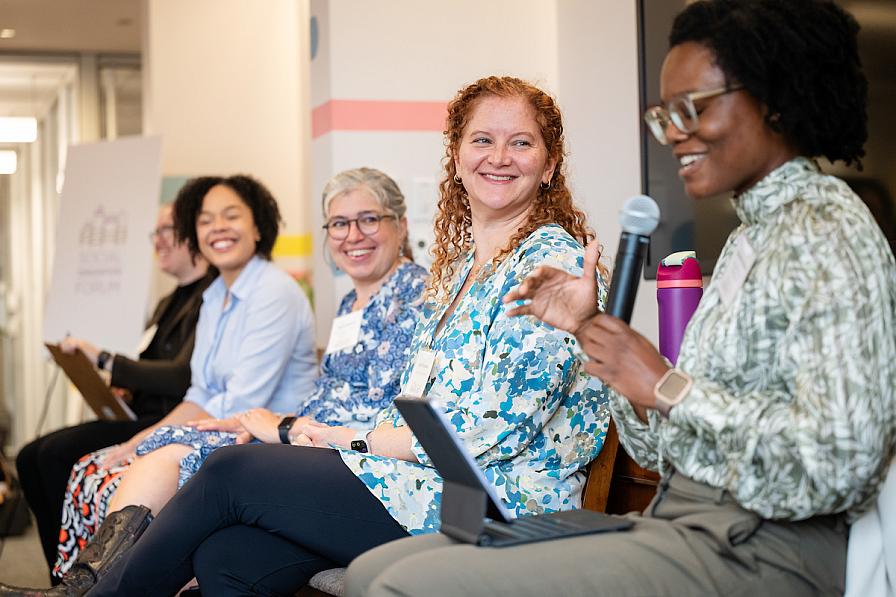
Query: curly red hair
x=553, y=205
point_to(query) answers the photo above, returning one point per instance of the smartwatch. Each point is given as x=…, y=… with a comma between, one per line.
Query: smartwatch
x=102, y=359
x=284, y=427
x=359, y=443
x=671, y=389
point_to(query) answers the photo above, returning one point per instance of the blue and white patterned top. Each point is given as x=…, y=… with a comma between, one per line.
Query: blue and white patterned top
x=518, y=397
x=356, y=384
x=258, y=351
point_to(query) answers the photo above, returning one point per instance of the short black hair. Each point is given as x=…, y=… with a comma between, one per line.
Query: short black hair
x=798, y=57
x=255, y=195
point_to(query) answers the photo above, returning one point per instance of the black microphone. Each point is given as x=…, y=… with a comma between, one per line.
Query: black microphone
x=638, y=218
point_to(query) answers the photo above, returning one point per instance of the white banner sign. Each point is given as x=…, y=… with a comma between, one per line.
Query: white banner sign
x=103, y=258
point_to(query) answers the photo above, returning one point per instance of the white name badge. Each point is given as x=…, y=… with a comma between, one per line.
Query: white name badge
x=419, y=376
x=736, y=273
x=148, y=335
x=345, y=332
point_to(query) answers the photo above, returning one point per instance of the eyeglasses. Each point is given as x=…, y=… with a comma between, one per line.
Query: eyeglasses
x=367, y=223
x=681, y=112
x=166, y=233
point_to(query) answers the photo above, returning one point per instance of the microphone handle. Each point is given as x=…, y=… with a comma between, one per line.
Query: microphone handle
x=626, y=275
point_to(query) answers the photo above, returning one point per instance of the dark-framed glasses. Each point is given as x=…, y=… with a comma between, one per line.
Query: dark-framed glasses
x=367, y=223
x=680, y=112
x=166, y=233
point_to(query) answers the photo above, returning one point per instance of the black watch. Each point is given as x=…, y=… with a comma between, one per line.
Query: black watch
x=359, y=442
x=102, y=359
x=284, y=427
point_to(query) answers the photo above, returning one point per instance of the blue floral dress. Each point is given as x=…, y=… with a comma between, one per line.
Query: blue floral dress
x=518, y=397
x=355, y=384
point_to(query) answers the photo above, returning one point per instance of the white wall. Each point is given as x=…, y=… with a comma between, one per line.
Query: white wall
x=598, y=92
x=226, y=87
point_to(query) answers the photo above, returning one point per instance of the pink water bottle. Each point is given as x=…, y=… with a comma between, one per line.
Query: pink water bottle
x=679, y=287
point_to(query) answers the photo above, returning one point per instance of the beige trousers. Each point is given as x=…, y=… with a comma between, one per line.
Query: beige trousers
x=691, y=540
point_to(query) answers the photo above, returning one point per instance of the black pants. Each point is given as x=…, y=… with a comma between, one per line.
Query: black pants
x=255, y=520
x=44, y=466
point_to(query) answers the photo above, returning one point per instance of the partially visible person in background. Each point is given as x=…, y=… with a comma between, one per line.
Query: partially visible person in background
x=156, y=383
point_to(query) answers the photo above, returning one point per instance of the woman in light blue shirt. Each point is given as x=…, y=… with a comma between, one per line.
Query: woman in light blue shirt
x=254, y=341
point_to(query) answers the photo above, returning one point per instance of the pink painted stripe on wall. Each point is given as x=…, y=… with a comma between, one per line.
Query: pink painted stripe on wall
x=377, y=115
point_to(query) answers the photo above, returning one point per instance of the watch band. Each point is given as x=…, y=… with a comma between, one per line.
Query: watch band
x=102, y=359
x=284, y=428
x=671, y=389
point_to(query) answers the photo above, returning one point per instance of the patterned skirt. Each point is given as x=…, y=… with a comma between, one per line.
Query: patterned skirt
x=91, y=485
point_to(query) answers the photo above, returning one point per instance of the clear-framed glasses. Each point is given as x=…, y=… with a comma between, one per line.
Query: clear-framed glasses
x=166, y=233
x=368, y=223
x=680, y=112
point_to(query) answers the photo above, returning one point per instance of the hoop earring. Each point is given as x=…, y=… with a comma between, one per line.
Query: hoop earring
x=458, y=179
x=545, y=186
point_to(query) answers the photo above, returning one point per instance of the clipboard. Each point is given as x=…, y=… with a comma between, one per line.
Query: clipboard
x=106, y=405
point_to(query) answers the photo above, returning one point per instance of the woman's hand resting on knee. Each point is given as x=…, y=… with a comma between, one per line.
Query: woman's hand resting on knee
x=125, y=452
x=231, y=424
x=262, y=424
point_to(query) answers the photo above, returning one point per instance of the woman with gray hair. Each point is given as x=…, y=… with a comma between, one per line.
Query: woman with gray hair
x=366, y=237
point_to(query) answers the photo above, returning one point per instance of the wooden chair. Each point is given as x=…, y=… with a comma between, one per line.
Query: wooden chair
x=616, y=483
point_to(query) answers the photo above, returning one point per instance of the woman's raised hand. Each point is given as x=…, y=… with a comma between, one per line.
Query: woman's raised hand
x=624, y=359
x=558, y=298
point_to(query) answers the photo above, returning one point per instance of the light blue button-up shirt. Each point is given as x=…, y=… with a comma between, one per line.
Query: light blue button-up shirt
x=258, y=350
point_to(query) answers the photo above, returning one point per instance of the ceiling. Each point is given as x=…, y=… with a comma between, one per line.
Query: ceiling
x=114, y=26
x=29, y=89
x=68, y=26
x=58, y=27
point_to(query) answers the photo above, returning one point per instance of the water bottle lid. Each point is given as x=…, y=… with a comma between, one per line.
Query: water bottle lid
x=679, y=270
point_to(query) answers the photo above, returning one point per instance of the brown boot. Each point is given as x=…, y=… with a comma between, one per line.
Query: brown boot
x=114, y=537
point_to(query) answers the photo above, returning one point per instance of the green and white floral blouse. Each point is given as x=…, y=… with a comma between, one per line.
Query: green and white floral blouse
x=514, y=390
x=792, y=409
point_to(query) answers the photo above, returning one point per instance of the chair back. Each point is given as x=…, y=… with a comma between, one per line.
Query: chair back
x=617, y=484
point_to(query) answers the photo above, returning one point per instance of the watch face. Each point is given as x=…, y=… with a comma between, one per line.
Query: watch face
x=359, y=445
x=673, y=386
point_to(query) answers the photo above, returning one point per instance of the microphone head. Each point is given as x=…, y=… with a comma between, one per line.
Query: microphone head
x=640, y=215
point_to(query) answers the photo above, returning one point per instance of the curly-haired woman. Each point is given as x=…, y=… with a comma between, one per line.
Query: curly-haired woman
x=779, y=422
x=512, y=386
